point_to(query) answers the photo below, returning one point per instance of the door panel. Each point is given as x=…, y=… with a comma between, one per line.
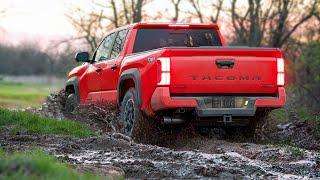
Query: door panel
x=92, y=80
x=110, y=69
x=109, y=83
x=93, y=75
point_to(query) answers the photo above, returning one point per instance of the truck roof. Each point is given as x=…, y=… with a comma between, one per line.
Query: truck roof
x=168, y=25
x=175, y=25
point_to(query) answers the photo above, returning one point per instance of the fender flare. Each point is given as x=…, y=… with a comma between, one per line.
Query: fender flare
x=133, y=74
x=74, y=81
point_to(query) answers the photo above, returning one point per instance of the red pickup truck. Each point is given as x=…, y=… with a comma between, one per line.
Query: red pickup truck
x=179, y=72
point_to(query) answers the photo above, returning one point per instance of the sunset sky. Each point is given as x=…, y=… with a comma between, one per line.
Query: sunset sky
x=44, y=17
x=44, y=20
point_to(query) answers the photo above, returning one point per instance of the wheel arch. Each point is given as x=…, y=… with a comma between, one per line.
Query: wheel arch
x=129, y=78
x=72, y=86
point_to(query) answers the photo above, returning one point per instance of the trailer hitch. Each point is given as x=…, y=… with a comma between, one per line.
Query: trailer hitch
x=227, y=119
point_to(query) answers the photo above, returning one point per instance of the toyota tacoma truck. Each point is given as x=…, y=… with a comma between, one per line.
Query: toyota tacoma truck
x=173, y=73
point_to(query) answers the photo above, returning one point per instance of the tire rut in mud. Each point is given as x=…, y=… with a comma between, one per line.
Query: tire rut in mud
x=245, y=160
x=192, y=154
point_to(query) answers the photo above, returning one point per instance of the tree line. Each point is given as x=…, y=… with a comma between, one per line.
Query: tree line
x=252, y=22
x=28, y=59
x=292, y=25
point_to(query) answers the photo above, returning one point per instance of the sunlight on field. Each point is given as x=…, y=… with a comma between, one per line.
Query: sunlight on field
x=20, y=95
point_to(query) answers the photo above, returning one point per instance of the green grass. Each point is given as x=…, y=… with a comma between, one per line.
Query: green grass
x=280, y=115
x=305, y=115
x=295, y=151
x=37, y=165
x=16, y=95
x=31, y=123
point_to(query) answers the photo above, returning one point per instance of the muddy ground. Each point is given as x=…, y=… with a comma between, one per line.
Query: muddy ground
x=179, y=153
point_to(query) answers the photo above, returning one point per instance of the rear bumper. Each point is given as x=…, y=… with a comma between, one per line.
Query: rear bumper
x=161, y=99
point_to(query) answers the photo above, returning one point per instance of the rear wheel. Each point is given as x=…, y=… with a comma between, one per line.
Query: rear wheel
x=257, y=126
x=71, y=102
x=135, y=124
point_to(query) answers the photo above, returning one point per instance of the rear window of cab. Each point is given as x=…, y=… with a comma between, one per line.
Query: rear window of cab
x=148, y=39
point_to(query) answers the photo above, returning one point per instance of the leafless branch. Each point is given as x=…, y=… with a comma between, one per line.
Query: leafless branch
x=176, y=9
x=196, y=6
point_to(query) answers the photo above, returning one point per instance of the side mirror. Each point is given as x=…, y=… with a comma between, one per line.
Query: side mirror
x=82, y=57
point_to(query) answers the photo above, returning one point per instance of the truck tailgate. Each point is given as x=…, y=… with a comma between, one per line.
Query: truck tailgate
x=224, y=70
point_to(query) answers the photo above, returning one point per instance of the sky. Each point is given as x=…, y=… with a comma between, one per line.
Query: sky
x=35, y=17
x=42, y=20
x=45, y=17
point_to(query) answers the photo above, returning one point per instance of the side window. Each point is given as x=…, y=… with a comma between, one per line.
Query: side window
x=103, y=52
x=118, y=43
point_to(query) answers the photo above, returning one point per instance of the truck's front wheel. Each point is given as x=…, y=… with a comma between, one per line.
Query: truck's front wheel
x=135, y=124
x=71, y=102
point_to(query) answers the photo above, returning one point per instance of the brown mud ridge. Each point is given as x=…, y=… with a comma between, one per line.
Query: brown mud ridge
x=178, y=153
x=214, y=158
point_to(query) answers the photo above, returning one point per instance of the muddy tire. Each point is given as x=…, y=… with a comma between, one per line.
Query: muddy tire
x=257, y=126
x=135, y=123
x=71, y=103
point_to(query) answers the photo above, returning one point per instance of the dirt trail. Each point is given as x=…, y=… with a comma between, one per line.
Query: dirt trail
x=146, y=161
x=182, y=154
x=235, y=160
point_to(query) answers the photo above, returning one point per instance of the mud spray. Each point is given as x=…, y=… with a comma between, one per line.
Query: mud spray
x=182, y=152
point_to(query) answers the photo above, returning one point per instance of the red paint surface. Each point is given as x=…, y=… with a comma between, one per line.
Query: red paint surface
x=185, y=64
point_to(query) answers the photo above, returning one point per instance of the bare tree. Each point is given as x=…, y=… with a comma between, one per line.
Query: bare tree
x=281, y=33
x=115, y=13
x=131, y=11
x=92, y=26
x=114, y=19
x=197, y=8
x=216, y=8
x=269, y=18
x=176, y=4
x=137, y=10
x=89, y=27
x=124, y=12
x=250, y=26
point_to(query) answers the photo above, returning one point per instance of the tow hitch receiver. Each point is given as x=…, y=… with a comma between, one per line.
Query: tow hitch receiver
x=227, y=119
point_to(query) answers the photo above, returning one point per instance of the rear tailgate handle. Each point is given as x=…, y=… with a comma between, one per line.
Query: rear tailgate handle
x=225, y=64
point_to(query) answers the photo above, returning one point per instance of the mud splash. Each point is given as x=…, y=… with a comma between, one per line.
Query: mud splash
x=177, y=153
x=123, y=156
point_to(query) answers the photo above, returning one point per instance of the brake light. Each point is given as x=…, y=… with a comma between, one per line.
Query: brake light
x=179, y=25
x=280, y=65
x=165, y=71
x=280, y=70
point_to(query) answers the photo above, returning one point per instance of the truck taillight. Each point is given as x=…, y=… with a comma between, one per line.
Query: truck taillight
x=280, y=70
x=165, y=71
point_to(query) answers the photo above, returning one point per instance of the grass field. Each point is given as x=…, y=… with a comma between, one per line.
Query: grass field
x=37, y=165
x=31, y=123
x=20, y=95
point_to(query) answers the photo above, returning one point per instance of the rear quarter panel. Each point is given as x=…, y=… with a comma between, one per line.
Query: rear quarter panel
x=146, y=63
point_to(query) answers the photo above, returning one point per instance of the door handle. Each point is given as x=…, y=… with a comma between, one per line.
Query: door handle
x=114, y=67
x=98, y=70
